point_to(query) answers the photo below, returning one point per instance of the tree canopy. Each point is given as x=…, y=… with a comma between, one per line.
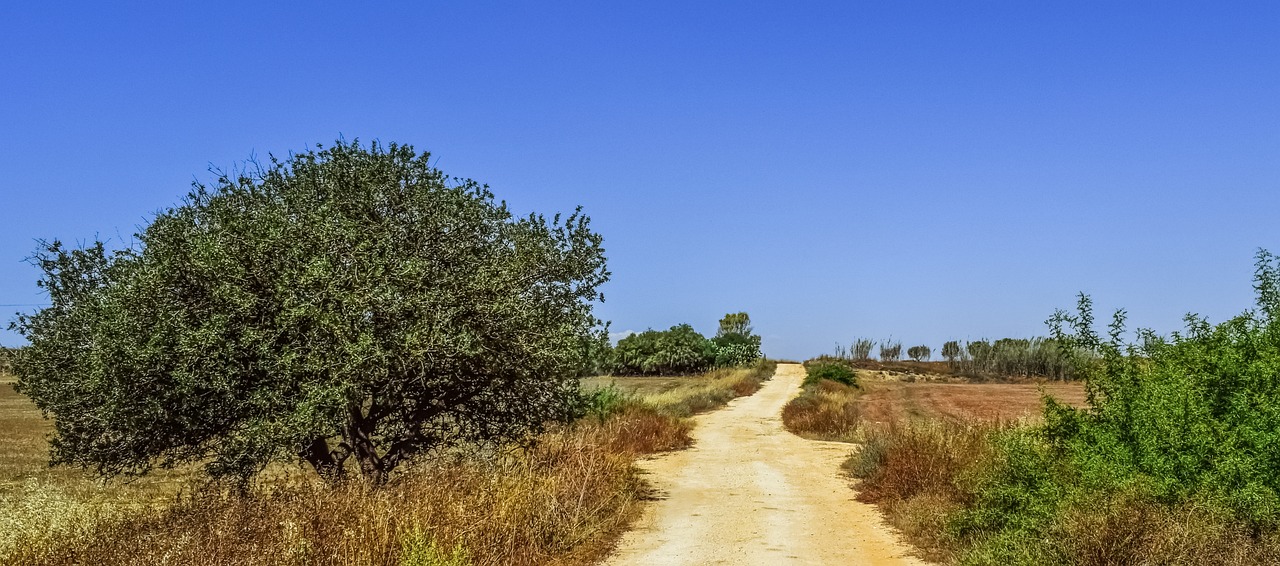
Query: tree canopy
x=349, y=303
x=682, y=350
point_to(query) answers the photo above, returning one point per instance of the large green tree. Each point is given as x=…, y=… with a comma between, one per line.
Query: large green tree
x=346, y=305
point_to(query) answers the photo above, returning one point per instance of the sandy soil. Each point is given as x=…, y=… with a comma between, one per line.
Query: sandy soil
x=749, y=492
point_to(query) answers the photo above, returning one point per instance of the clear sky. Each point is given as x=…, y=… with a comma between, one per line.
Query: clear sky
x=917, y=170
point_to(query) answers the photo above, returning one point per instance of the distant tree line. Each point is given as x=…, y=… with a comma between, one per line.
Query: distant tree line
x=1053, y=358
x=681, y=350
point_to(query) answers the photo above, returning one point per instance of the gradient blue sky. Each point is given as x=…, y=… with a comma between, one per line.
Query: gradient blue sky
x=917, y=170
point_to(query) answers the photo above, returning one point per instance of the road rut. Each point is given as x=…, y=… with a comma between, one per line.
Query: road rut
x=749, y=492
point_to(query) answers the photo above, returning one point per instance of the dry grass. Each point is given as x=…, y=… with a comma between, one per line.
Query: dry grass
x=914, y=472
x=824, y=411
x=831, y=411
x=687, y=396
x=891, y=401
x=559, y=503
x=41, y=503
x=921, y=474
x=1129, y=529
x=562, y=502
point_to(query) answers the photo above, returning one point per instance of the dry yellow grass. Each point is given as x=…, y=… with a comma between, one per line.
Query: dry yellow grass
x=562, y=502
x=824, y=411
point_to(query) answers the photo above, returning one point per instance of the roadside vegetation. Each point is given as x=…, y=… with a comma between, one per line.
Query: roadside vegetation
x=1174, y=460
x=560, y=499
x=826, y=407
x=681, y=350
x=997, y=360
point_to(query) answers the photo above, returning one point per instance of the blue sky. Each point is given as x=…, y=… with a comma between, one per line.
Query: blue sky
x=921, y=171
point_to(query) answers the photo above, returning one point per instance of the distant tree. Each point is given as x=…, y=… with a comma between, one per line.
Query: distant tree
x=890, y=351
x=735, y=343
x=861, y=350
x=678, y=350
x=344, y=304
x=980, y=351
x=919, y=353
x=951, y=351
x=735, y=323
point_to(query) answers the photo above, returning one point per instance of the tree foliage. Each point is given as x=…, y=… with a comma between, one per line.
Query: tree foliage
x=919, y=353
x=1193, y=415
x=951, y=351
x=347, y=303
x=681, y=350
x=890, y=351
x=677, y=351
x=1022, y=357
x=1186, y=425
x=6, y=359
x=734, y=324
x=861, y=349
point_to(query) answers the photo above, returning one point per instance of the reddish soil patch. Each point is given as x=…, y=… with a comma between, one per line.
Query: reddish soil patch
x=886, y=401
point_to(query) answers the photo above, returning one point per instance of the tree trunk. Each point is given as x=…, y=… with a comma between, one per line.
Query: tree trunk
x=321, y=458
x=357, y=435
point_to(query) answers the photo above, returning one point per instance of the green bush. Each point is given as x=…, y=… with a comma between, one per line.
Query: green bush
x=1191, y=421
x=417, y=548
x=833, y=371
x=603, y=402
x=737, y=355
x=681, y=350
x=1193, y=415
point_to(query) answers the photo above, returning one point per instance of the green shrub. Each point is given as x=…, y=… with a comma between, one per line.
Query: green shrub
x=603, y=402
x=737, y=354
x=679, y=350
x=1196, y=414
x=1175, y=460
x=418, y=549
x=837, y=372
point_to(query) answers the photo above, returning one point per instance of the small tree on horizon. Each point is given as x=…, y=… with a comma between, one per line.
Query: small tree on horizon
x=890, y=351
x=734, y=323
x=919, y=353
x=861, y=349
x=951, y=351
x=348, y=304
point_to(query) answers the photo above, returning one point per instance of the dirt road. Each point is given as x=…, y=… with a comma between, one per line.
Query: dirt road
x=749, y=492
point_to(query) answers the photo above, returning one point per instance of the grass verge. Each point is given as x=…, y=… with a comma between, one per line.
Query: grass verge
x=563, y=501
x=993, y=493
x=825, y=410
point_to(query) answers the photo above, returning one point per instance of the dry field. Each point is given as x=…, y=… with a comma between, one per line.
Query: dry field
x=894, y=400
x=831, y=411
x=24, y=456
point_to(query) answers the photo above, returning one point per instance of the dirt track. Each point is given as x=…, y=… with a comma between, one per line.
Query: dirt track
x=749, y=492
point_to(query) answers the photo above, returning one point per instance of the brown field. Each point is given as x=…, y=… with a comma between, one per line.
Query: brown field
x=24, y=456
x=888, y=401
